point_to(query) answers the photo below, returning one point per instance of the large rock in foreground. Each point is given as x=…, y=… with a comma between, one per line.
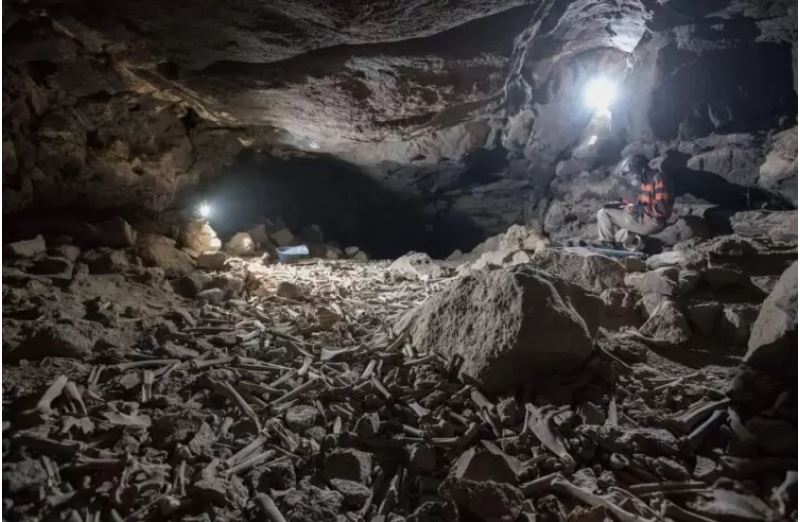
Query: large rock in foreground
x=773, y=338
x=510, y=326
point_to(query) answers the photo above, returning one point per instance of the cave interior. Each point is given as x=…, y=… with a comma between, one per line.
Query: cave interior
x=308, y=260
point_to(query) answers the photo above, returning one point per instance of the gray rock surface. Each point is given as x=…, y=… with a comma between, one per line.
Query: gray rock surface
x=199, y=237
x=779, y=170
x=160, y=251
x=509, y=326
x=667, y=323
x=28, y=247
x=775, y=225
x=211, y=260
x=580, y=266
x=773, y=339
x=241, y=244
x=661, y=281
x=348, y=464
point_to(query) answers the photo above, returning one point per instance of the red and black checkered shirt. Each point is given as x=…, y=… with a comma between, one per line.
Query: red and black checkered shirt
x=656, y=197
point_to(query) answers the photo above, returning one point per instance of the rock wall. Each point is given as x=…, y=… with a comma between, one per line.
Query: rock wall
x=474, y=111
x=81, y=132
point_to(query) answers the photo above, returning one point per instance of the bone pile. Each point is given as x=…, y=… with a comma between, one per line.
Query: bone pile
x=287, y=394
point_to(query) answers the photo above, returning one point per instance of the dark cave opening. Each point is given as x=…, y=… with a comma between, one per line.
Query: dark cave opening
x=350, y=207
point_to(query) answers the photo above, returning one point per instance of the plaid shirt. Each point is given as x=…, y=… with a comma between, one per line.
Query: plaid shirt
x=655, y=198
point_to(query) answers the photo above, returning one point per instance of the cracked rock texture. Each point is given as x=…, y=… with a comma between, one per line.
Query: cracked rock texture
x=471, y=109
x=508, y=326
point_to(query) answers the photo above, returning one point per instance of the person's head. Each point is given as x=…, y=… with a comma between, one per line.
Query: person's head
x=637, y=165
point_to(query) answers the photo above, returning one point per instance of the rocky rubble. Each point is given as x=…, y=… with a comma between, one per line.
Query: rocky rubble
x=341, y=390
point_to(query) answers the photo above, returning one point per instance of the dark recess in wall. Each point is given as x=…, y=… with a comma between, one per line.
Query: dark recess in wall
x=716, y=189
x=726, y=91
x=349, y=206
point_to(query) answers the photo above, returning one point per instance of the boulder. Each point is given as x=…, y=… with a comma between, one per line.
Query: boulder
x=685, y=228
x=484, y=465
x=779, y=170
x=348, y=464
x=25, y=475
x=687, y=257
x=104, y=260
x=633, y=264
x=68, y=252
x=688, y=281
x=241, y=244
x=288, y=290
x=231, y=285
x=282, y=237
x=667, y=323
x=258, y=233
x=617, y=309
x=482, y=484
x=416, y=264
x=661, y=281
x=648, y=303
x=55, y=340
x=703, y=316
x=483, y=501
x=191, y=284
x=486, y=260
x=734, y=157
x=332, y=252
x=312, y=234
x=114, y=233
x=421, y=458
x=355, y=494
x=736, y=322
x=581, y=266
x=307, y=503
x=764, y=283
x=212, y=260
x=519, y=237
x=27, y=248
x=158, y=250
x=301, y=417
x=775, y=225
x=356, y=254
x=509, y=326
x=773, y=338
x=199, y=237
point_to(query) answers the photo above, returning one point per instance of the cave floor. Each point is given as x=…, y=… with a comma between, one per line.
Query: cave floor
x=302, y=398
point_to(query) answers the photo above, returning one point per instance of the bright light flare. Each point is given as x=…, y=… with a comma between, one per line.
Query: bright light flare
x=314, y=145
x=204, y=209
x=600, y=94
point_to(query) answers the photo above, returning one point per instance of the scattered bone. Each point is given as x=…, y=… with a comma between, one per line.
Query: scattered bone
x=258, y=383
x=55, y=389
x=268, y=508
